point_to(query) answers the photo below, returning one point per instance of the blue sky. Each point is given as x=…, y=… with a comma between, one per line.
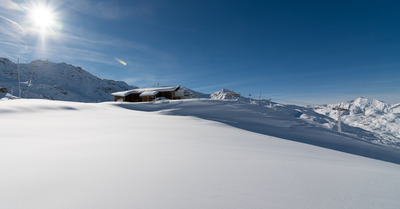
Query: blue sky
x=304, y=52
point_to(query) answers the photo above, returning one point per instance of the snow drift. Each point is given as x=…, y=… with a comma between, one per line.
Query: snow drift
x=56, y=154
x=283, y=121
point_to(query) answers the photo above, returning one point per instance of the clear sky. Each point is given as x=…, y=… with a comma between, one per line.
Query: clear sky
x=304, y=52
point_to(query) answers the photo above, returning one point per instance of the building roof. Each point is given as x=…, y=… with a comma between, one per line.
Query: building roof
x=153, y=90
x=148, y=93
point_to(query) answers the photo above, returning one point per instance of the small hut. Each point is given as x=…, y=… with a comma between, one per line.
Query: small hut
x=150, y=94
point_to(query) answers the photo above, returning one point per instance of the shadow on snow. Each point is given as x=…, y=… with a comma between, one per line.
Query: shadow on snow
x=281, y=121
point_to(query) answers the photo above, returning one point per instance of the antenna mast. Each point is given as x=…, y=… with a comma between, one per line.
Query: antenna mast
x=339, y=109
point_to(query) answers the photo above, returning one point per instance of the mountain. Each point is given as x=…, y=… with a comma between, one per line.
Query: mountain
x=57, y=81
x=226, y=94
x=368, y=120
x=378, y=117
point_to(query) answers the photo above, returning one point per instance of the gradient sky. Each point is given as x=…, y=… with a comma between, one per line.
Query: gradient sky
x=303, y=52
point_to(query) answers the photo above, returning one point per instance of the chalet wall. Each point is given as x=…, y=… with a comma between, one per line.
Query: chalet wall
x=148, y=98
x=132, y=98
x=167, y=94
x=116, y=98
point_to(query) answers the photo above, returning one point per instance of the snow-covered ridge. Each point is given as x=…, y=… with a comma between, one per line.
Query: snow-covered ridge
x=57, y=81
x=369, y=119
x=225, y=94
x=372, y=115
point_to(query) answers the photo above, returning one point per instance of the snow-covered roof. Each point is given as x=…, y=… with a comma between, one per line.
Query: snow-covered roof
x=148, y=93
x=142, y=90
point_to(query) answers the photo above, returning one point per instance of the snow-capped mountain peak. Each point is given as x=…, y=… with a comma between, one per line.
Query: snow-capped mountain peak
x=224, y=94
x=372, y=115
x=58, y=81
x=366, y=106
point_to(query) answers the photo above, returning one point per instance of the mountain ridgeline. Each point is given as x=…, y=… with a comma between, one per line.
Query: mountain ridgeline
x=367, y=119
x=57, y=81
x=372, y=115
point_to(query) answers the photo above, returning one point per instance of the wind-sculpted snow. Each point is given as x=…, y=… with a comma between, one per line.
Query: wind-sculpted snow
x=283, y=121
x=369, y=114
x=56, y=154
x=57, y=81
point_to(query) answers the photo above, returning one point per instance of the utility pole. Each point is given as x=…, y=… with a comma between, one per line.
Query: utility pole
x=339, y=109
x=19, y=81
x=30, y=80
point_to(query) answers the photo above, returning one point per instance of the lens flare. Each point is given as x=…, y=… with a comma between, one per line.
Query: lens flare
x=120, y=61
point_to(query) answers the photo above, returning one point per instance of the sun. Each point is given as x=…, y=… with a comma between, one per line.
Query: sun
x=43, y=18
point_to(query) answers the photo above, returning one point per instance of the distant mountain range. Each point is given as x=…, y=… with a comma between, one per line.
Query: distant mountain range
x=368, y=119
x=372, y=115
x=57, y=81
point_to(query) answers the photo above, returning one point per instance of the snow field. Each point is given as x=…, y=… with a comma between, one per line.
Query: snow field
x=74, y=155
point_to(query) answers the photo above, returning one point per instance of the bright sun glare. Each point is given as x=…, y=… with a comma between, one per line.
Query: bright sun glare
x=43, y=18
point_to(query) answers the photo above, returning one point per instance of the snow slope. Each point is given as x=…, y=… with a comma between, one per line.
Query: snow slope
x=369, y=120
x=372, y=115
x=56, y=154
x=283, y=121
x=57, y=81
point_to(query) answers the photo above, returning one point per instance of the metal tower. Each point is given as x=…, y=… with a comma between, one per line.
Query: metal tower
x=339, y=109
